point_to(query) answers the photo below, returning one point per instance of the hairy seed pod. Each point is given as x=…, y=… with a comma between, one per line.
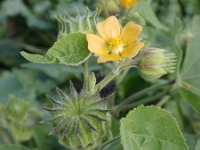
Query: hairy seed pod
x=155, y=63
x=81, y=23
x=81, y=120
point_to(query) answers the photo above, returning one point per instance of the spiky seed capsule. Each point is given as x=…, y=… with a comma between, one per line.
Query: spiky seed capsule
x=155, y=63
x=81, y=23
x=81, y=120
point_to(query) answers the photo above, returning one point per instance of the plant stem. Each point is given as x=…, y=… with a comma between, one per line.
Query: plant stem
x=121, y=76
x=119, y=67
x=137, y=95
x=163, y=101
x=145, y=100
x=105, y=81
x=109, y=142
x=85, y=71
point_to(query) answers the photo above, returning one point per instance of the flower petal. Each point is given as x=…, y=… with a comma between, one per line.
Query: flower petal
x=130, y=32
x=132, y=50
x=96, y=44
x=109, y=28
x=109, y=57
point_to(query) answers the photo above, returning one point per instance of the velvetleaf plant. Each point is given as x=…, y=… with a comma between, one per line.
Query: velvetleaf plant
x=83, y=119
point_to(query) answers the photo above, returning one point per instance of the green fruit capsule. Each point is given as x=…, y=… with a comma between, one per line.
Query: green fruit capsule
x=154, y=63
x=81, y=23
x=81, y=120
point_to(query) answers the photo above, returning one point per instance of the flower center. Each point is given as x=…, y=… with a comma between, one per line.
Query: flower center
x=115, y=45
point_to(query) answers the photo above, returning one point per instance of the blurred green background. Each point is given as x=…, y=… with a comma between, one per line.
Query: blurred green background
x=29, y=25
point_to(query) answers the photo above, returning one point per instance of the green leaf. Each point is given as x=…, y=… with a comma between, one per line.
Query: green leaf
x=192, y=98
x=144, y=9
x=63, y=7
x=12, y=8
x=174, y=108
x=191, y=140
x=40, y=135
x=14, y=147
x=55, y=70
x=8, y=84
x=70, y=49
x=151, y=128
x=15, y=7
x=197, y=147
x=188, y=76
x=10, y=52
x=35, y=58
x=190, y=73
x=40, y=86
x=195, y=24
x=176, y=31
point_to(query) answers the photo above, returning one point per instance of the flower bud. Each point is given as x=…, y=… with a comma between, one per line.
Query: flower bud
x=128, y=3
x=155, y=63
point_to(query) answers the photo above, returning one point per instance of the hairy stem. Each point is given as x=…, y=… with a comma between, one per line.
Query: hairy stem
x=105, y=81
x=137, y=95
x=85, y=71
x=163, y=101
x=122, y=76
x=121, y=66
x=145, y=101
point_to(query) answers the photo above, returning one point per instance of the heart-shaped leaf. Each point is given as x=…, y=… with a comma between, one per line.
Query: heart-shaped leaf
x=151, y=128
x=70, y=49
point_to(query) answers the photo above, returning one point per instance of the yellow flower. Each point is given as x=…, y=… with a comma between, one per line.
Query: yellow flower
x=113, y=44
x=128, y=3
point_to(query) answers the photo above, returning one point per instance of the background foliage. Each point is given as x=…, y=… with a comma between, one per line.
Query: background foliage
x=30, y=26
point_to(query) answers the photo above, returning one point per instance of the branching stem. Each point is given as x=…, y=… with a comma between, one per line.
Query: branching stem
x=85, y=71
x=121, y=66
x=134, y=97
